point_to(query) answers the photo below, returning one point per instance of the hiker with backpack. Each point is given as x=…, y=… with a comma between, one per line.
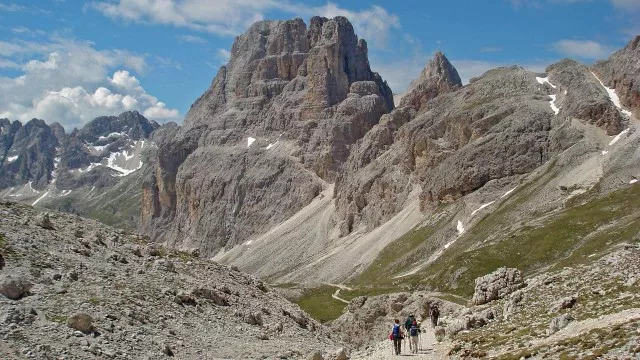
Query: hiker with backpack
x=414, y=332
x=434, y=313
x=397, y=336
x=407, y=326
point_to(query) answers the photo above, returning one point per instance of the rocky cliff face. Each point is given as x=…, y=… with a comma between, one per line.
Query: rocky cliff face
x=276, y=124
x=28, y=153
x=438, y=77
x=621, y=72
x=43, y=165
x=451, y=141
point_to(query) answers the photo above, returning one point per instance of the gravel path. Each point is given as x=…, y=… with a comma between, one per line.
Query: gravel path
x=429, y=348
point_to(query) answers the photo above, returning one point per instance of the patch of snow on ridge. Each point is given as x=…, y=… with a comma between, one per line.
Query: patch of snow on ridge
x=552, y=104
x=111, y=162
x=40, y=198
x=65, y=192
x=545, y=80
x=617, y=137
x=12, y=158
x=250, y=141
x=272, y=145
x=633, y=181
x=460, y=228
x=604, y=152
x=613, y=96
x=481, y=207
x=508, y=192
x=113, y=134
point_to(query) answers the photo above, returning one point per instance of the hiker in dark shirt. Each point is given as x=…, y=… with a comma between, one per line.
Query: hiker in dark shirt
x=434, y=313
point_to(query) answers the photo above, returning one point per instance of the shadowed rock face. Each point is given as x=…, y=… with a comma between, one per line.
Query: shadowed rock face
x=305, y=94
x=28, y=153
x=41, y=164
x=622, y=73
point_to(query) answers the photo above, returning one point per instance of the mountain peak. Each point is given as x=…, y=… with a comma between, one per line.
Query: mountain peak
x=440, y=68
x=439, y=76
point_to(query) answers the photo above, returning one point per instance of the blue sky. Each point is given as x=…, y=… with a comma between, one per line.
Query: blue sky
x=70, y=61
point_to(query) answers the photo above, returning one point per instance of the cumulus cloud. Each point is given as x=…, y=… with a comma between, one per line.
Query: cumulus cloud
x=72, y=83
x=233, y=17
x=586, y=49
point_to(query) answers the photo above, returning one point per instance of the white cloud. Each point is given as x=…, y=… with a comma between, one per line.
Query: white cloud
x=192, y=39
x=72, y=83
x=626, y=4
x=586, y=49
x=373, y=24
x=223, y=55
x=225, y=17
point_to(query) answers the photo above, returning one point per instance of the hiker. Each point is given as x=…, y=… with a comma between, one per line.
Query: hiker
x=407, y=326
x=414, y=332
x=434, y=313
x=396, y=336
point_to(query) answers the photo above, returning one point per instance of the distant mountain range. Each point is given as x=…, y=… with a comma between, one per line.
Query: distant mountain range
x=84, y=172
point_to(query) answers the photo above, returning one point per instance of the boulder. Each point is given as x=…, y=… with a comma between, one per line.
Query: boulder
x=81, y=322
x=341, y=354
x=558, y=323
x=209, y=294
x=496, y=285
x=567, y=302
x=316, y=355
x=44, y=221
x=13, y=287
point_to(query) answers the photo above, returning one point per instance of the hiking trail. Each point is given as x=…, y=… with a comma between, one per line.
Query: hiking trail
x=428, y=348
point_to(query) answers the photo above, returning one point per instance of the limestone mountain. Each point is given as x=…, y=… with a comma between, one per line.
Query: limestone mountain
x=76, y=172
x=267, y=137
x=448, y=180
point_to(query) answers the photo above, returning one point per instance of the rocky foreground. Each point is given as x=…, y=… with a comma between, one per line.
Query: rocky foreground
x=73, y=288
x=584, y=312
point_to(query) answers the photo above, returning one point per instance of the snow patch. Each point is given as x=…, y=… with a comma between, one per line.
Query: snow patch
x=545, y=80
x=113, y=134
x=98, y=148
x=250, y=141
x=480, y=208
x=617, y=137
x=460, y=228
x=40, y=198
x=613, y=96
x=272, y=145
x=508, y=192
x=12, y=158
x=552, y=104
x=633, y=181
x=65, y=192
x=604, y=152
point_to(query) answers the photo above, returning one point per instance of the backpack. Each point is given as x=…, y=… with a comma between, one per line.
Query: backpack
x=413, y=330
x=396, y=331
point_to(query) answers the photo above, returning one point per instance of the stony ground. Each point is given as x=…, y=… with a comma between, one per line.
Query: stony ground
x=586, y=312
x=76, y=289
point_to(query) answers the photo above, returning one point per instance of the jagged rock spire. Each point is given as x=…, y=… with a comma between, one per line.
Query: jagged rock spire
x=438, y=77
